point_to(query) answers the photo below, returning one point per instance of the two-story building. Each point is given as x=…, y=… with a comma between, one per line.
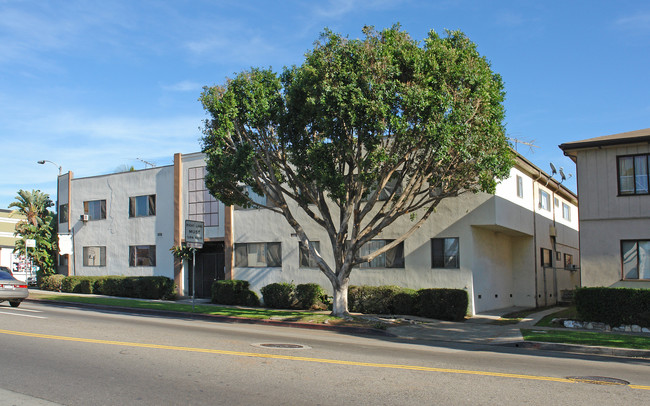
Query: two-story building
x=8, y=221
x=613, y=181
x=518, y=247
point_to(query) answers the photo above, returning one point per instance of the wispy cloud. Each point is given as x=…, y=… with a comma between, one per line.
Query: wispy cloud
x=183, y=86
x=637, y=24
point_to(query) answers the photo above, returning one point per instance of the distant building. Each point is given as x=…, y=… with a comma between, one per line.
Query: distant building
x=8, y=223
x=614, y=208
x=518, y=247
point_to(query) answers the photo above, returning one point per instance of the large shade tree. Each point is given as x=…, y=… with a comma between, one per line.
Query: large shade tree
x=38, y=225
x=364, y=132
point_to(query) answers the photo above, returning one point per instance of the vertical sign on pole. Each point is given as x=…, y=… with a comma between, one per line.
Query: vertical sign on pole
x=194, y=239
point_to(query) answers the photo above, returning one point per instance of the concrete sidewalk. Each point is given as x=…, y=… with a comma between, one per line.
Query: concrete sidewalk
x=479, y=329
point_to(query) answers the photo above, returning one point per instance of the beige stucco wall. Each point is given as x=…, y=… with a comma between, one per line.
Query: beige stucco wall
x=499, y=237
x=606, y=218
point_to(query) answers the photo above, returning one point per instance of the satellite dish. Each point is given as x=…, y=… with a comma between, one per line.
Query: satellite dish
x=553, y=170
x=562, y=174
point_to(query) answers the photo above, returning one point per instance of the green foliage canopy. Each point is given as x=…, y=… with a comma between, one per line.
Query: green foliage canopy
x=379, y=127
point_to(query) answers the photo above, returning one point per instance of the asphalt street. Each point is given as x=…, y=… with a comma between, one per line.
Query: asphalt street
x=74, y=356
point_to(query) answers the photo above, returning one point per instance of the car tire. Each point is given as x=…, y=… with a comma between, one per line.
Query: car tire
x=14, y=303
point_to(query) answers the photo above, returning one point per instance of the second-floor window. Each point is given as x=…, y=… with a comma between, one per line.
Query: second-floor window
x=633, y=175
x=520, y=186
x=63, y=213
x=566, y=212
x=546, y=257
x=95, y=209
x=202, y=205
x=544, y=200
x=141, y=206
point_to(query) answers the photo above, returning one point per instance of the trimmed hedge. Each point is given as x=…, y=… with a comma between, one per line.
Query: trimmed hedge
x=614, y=306
x=234, y=292
x=311, y=296
x=380, y=299
x=441, y=304
x=280, y=295
x=52, y=282
x=142, y=287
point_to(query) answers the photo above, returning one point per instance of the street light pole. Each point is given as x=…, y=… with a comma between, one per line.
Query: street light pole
x=42, y=162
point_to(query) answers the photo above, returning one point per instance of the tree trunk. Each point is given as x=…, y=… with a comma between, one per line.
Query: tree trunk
x=340, y=304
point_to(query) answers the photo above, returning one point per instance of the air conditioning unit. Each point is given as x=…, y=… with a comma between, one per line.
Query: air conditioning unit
x=573, y=267
x=84, y=218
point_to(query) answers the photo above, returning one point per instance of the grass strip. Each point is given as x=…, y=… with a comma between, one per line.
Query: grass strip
x=251, y=313
x=587, y=338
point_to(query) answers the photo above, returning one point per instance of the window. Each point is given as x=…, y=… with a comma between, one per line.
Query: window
x=547, y=258
x=633, y=175
x=445, y=253
x=393, y=184
x=520, y=187
x=63, y=213
x=94, y=256
x=558, y=256
x=258, y=255
x=142, y=255
x=568, y=261
x=635, y=256
x=557, y=202
x=306, y=259
x=141, y=206
x=393, y=258
x=202, y=205
x=95, y=209
x=544, y=200
x=566, y=212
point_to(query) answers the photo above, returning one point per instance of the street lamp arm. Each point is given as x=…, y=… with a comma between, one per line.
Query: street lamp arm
x=42, y=162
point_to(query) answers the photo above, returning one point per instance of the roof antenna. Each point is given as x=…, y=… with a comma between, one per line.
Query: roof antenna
x=553, y=170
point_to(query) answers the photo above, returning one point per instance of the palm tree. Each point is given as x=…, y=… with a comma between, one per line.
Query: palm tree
x=37, y=226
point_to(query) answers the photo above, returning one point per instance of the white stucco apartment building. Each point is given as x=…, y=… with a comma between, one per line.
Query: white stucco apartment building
x=518, y=247
x=8, y=221
x=613, y=182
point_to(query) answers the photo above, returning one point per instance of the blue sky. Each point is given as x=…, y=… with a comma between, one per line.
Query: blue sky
x=95, y=86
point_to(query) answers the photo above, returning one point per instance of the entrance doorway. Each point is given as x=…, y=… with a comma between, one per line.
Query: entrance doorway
x=210, y=267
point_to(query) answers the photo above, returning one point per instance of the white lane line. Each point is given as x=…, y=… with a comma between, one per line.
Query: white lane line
x=23, y=315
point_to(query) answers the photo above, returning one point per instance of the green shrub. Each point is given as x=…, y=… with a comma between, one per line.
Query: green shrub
x=280, y=295
x=381, y=300
x=442, y=304
x=52, y=282
x=77, y=284
x=404, y=302
x=234, y=292
x=614, y=306
x=311, y=296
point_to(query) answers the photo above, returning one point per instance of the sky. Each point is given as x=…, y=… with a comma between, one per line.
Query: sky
x=98, y=86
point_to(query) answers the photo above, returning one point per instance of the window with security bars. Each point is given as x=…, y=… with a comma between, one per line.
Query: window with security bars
x=202, y=205
x=94, y=256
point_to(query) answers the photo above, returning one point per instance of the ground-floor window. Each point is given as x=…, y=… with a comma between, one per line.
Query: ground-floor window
x=94, y=256
x=635, y=255
x=546, y=257
x=306, y=259
x=393, y=258
x=142, y=255
x=568, y=261
x=445, y=253
x=258, y=254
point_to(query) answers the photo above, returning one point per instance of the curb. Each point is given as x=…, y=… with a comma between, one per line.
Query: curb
x=220, y=318
x=583, y=349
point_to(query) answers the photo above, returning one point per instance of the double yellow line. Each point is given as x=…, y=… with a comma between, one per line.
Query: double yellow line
x=294, y=358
